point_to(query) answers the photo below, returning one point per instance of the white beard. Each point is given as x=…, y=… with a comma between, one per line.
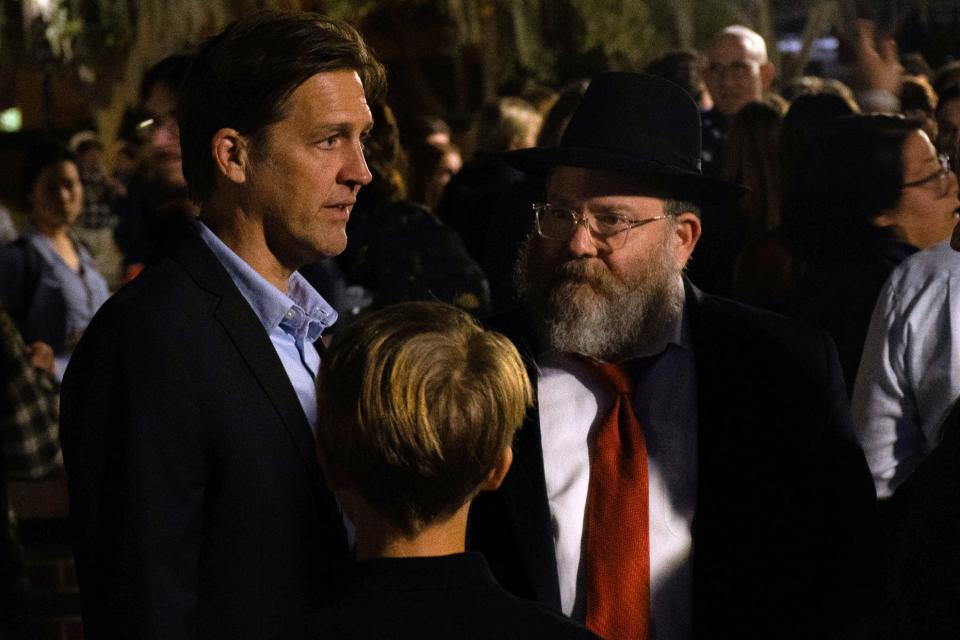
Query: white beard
x=580, y=306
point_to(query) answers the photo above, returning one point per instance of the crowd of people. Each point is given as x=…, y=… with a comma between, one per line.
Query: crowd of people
x=320, y=370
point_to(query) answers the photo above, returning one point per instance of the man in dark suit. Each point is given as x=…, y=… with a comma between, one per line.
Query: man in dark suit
x=689, y=468
x=199, y=509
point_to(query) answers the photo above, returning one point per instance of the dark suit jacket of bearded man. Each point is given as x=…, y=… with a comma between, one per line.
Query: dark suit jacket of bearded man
x=197, y=502
x=784, y=539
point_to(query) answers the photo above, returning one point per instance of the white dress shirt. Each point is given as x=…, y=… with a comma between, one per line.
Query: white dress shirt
x=572, y=403
x=909, y=374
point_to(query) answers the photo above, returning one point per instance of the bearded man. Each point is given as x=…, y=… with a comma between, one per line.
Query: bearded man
x=689, y=468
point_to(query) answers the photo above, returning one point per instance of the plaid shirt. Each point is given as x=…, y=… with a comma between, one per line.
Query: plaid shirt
x=29, y=410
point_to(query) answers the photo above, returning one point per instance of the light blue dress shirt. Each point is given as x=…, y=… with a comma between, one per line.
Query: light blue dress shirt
x=294, y=321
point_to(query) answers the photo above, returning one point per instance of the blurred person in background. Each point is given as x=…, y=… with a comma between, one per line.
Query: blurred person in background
x=914, y=64
x=8, y=231
x=918, y=102
x=425, y=128
x=431, y=166
x=555, y=122
x=685, y=68
x=876, y=191
x=736, y=72
x=399, y=250
x=907, y=383
x=807, y=85
x=767, y=268
x=95, y=227
x=157, y=205
x=948, y=122
x=51, y=286
x=752, y=159
x=29, y=409
x=488, y=202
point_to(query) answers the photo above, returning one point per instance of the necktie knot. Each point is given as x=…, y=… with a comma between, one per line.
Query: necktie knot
x=615, y=375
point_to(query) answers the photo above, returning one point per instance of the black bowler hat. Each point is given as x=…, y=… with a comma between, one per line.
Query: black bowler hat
x=638, y=124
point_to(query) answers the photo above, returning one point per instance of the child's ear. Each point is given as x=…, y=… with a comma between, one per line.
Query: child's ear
x=499, y=472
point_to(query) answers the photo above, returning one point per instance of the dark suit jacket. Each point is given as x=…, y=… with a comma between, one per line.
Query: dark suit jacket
x=784, y=540
x=196, y=499
x=923, y=527
x=440, y=597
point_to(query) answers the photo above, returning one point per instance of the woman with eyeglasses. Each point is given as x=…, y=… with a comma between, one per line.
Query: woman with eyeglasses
x=49, y=283
x=872, y=191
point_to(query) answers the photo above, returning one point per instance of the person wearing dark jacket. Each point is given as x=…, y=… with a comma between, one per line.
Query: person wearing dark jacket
x=873, y=193
x=197, y=504
x=688, y=469
x=488, y=201
x=420, y=406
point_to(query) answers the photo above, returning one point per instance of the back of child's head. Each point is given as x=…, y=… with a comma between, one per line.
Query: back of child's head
x=417, y=405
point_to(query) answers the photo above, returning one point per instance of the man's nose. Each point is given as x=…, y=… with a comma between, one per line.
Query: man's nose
x=581, y=240
x=166, y=134
x=355, y=170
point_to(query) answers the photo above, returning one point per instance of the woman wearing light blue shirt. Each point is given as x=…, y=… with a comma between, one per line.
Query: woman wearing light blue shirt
x=48, y=281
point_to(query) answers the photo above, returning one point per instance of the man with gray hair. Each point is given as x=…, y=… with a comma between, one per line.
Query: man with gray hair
x=689, y=467
x=737, y=72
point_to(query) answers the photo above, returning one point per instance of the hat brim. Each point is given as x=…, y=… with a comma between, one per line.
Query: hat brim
x=677, y=182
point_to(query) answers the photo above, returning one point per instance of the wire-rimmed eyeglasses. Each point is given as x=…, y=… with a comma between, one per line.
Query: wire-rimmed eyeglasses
x=941, y=175
x=556, y=222
x=150, y=125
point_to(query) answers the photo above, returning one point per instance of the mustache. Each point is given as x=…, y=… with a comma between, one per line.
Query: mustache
x=581, y=269
x=164, y=156
x=588, y=271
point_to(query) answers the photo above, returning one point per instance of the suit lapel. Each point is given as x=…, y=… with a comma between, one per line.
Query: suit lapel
x=525, y=489
x=253, y=344
x=728, y=399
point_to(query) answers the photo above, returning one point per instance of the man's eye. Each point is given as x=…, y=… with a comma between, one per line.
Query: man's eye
x=329, y=142
x=610, y=220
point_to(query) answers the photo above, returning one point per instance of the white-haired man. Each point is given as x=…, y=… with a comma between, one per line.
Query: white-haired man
x=737, y=72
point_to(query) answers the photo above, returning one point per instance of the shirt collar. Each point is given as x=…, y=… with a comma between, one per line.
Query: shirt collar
x=301, y=312
x=44, y=245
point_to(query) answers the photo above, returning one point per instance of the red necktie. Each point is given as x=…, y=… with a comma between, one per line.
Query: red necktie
x=616, y=536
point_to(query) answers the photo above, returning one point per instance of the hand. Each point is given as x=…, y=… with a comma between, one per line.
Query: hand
x=878, y=69
x=41, y=355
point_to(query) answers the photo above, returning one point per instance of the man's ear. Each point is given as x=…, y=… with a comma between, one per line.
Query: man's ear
x=230, y=154
x=767, y=73
x=499, y=472
x=687, y=231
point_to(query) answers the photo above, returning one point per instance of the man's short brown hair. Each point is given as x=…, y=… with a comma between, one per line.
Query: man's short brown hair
x=243, y=77
x=417, y=404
